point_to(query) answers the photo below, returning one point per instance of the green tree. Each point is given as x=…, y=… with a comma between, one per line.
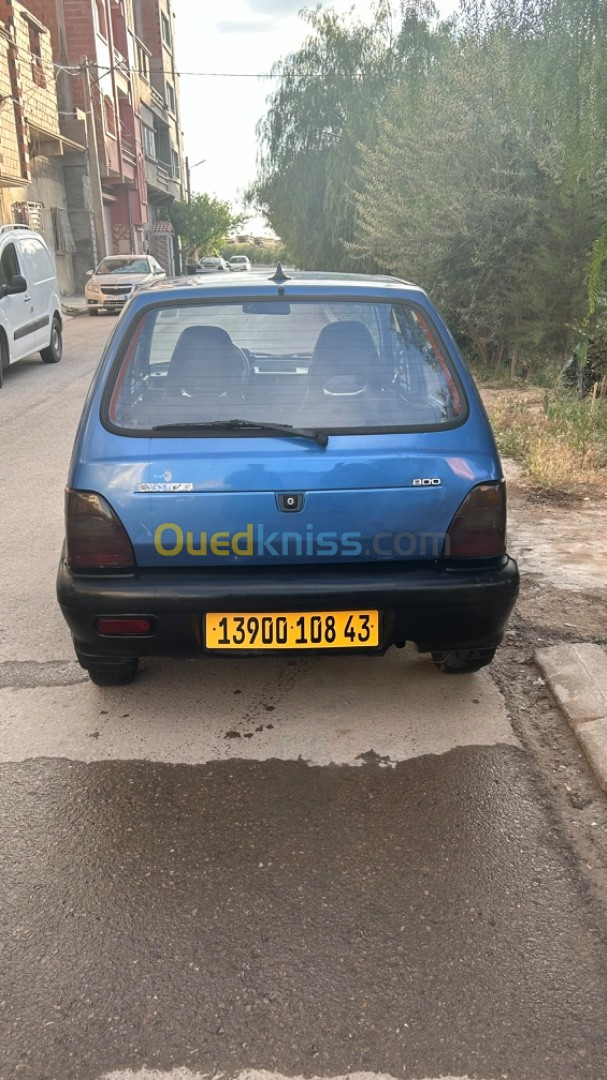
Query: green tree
x=459, y=196
x=203, y=224
x=467, y=155
x=324, y=110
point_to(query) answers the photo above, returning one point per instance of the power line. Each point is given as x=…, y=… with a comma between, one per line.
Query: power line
x=73, y=69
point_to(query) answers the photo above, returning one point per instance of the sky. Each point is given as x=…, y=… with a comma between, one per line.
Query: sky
x=219, y=114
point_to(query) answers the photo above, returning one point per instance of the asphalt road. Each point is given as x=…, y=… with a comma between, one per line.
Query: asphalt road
x=311, y=867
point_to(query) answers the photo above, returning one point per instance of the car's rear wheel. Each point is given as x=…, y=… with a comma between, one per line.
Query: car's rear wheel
x=462, y=661
x=53, y=353
x=120, y=673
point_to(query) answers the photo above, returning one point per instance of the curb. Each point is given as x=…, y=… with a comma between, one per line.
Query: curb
x=577, y=677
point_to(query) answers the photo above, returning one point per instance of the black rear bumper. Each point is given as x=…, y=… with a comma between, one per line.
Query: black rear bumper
x=435, y=607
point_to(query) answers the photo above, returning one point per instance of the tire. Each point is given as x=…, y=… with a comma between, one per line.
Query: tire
x=120, y=673
x=93, y=311
x=53, y=353
x=463, y=661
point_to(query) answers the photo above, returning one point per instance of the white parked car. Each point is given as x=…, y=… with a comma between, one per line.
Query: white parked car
x=30, y=309
x=212, y=264
x=111, y=284
x=239, y=262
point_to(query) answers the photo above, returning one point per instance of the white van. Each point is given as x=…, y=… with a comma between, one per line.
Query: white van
x=30, y=309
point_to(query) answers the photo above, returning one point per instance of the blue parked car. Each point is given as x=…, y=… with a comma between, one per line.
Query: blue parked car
x=284, y=463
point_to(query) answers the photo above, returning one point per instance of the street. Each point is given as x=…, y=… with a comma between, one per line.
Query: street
x=314, y=867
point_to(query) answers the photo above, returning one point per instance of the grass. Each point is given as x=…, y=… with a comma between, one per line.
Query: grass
x=560, y=441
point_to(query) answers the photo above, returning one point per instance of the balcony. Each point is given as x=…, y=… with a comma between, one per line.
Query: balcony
x=122, y=72
x=160, y=180
x=157, y=99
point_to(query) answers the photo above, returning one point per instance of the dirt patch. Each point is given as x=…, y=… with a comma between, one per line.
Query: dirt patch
x=560, y=440
x=560, y=538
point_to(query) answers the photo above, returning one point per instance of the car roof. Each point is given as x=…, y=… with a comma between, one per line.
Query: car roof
x=120, y=258
x=263, y=284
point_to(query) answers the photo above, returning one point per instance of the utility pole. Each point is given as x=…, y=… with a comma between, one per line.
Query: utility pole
x=188, y=172
x=93, y=156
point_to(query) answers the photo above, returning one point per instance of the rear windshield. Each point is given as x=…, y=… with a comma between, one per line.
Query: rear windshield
x=331, y=366
x=124, y=266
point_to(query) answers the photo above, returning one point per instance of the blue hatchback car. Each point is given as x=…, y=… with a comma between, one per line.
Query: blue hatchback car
x=283, y=463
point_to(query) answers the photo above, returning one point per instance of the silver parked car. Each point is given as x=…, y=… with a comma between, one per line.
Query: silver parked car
x=212, y=264
x=116, y=278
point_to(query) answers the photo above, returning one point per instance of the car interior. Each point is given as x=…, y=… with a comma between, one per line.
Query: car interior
x=350, y=378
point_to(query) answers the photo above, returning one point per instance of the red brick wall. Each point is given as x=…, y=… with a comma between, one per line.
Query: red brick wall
x=78, y=32
x=150, y=17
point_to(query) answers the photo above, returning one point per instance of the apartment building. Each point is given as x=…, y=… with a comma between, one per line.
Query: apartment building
x=114, y=54
x=36, y=156
x=162, y=137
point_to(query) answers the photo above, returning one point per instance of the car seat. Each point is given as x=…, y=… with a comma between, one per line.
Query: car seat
x=207, y=364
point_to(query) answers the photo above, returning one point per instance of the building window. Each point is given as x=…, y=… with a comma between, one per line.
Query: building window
x=110, y=116
x=143, y=63
x=101, y=20
x=9, y=265
x=62, y=232
x=35, y=40
x=171, y=97
x=174, y=164
x=149, y=142
x=166, y=30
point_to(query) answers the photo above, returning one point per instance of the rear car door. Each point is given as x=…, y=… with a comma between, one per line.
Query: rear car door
x=40, y=275
x=18, y=310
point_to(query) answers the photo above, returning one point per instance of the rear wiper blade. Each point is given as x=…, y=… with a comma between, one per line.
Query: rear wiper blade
x=321, y=437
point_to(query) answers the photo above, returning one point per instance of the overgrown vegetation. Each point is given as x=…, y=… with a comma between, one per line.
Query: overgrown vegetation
x=560, y=440
x=469, y=155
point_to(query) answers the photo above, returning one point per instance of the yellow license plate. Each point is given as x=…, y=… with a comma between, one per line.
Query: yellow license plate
x=292, y=630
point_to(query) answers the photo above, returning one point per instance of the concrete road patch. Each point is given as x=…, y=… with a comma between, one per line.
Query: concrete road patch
x=322, y=710
x=577, y=676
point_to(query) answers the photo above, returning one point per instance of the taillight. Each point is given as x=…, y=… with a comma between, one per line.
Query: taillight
x=478, y=529
x=96, y=539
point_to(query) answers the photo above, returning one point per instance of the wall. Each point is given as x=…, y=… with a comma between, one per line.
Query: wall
x=57, y=181
x=10, y=161
x=36, y=79
x=48, y=187
x=80, y=202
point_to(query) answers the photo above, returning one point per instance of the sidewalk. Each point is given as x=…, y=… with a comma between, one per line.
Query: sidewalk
x=73, y=305
x=577, y=676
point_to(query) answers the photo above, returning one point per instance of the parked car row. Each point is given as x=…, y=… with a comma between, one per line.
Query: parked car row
x=213, y=264
x=30, y=307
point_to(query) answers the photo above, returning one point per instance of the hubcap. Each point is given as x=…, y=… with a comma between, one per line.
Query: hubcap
x=56, y=341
